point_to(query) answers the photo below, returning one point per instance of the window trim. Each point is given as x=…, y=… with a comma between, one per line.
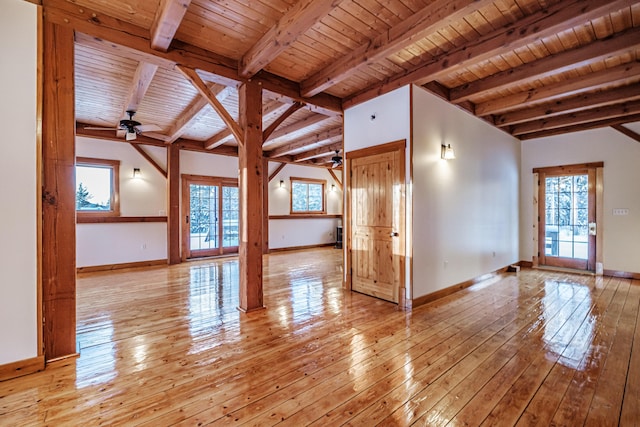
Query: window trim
x=114, y=201
x=323, y=182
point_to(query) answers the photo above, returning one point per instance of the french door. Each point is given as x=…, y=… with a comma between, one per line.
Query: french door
x=210, y=216
x=567, y=217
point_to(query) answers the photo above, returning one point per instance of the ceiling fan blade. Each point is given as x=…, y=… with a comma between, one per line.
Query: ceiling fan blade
x=148, y=128
x=98, y=128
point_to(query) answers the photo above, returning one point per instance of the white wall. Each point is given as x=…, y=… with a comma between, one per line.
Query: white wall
x=18, y=250
x=621, y=157
x=287, y=233
x=392, y=122
x=105, y=244
x=465, y=211
x=117, y=243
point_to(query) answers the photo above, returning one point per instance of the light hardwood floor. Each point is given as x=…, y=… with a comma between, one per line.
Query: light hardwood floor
x=166, y=345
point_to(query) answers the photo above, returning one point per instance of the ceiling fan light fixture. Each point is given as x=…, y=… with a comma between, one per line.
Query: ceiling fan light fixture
x=130, y=135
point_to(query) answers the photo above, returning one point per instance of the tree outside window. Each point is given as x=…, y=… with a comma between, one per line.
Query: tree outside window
x=307, y=196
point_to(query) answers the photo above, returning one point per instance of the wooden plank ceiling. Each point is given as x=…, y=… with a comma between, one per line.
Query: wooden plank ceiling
x=530, y=67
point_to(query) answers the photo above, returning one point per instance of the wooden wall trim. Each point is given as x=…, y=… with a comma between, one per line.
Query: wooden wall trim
x=118, y=219
x=416, y=302
x=120, y=266
x=305, y=216
x=568, y=168
x=622, y=274
x=39, y=178
x=21, y=367
x=300, y=248
x=377, y=149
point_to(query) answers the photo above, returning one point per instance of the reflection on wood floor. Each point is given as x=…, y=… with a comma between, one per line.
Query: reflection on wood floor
x=165, y=346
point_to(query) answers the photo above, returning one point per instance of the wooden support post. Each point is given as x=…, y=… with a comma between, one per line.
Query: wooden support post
x=251, y=196
x=173, y=214
x=58, y=195
x=265, y=205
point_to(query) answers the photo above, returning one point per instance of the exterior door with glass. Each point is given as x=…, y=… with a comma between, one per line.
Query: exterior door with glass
x=567, y=217
x=210, y=216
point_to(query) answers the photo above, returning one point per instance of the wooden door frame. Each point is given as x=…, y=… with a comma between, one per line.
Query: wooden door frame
x=596, y=169
x=188, y=179
x=399, y=146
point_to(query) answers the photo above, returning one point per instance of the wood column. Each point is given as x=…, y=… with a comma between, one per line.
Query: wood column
x=58, y=194
x=173, y=214
x=265, y=205
x=251, y=186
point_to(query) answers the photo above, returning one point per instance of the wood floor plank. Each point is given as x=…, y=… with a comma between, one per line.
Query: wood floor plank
x=574, y=406
x=167, y=346
x=545, y=373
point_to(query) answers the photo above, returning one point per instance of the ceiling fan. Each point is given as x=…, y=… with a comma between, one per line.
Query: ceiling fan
x=131, y=127
x=336, y=160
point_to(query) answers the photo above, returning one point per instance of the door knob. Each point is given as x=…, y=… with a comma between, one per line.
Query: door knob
x=394, y=234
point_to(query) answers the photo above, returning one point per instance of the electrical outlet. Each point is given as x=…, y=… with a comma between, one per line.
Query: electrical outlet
x=144, y=246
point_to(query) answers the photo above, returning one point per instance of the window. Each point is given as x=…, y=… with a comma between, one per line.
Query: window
x=97, y=186
x=307, y=195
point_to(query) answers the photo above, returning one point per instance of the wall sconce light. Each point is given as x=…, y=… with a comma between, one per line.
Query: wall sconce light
x=447, y=153
x=281, y=184
x=333, y=187
x=136, y=173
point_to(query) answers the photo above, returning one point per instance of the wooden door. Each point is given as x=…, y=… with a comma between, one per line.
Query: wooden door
x=377, y=226
x=210, y=216
x=567, y=217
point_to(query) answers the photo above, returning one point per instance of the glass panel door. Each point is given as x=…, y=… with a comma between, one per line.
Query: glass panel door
x=230, y=209
x=203, y=218
x=211, y=216
x=566, y=214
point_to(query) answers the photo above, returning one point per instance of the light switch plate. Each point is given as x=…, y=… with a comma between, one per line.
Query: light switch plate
x=621, y=211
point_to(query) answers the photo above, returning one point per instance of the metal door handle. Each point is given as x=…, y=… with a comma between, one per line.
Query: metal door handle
x=394, y=234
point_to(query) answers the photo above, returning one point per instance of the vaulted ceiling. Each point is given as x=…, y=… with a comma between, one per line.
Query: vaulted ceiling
x=529, y=67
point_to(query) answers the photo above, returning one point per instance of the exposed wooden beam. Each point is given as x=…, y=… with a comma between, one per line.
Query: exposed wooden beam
x=166, y=22
x=570, y=105
x=308, y=140
x=204, y=90
x=621, y=74
x=101, y=31
x=194, y=110
x=251, y=203
x=553, y=64
x=173, y=195
x=311, y=119
x=541, y=24
x=436, y=15
x=276, y=171
x=297, y=20
x=58, y=195
x=320, y=151
x=592, y=115
x=277, y=122
x=547, y=22
x=218, y=139
x=141, y=80
x=581, y=127
x=335, y=178
x=628, y=132
x=149, y=159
